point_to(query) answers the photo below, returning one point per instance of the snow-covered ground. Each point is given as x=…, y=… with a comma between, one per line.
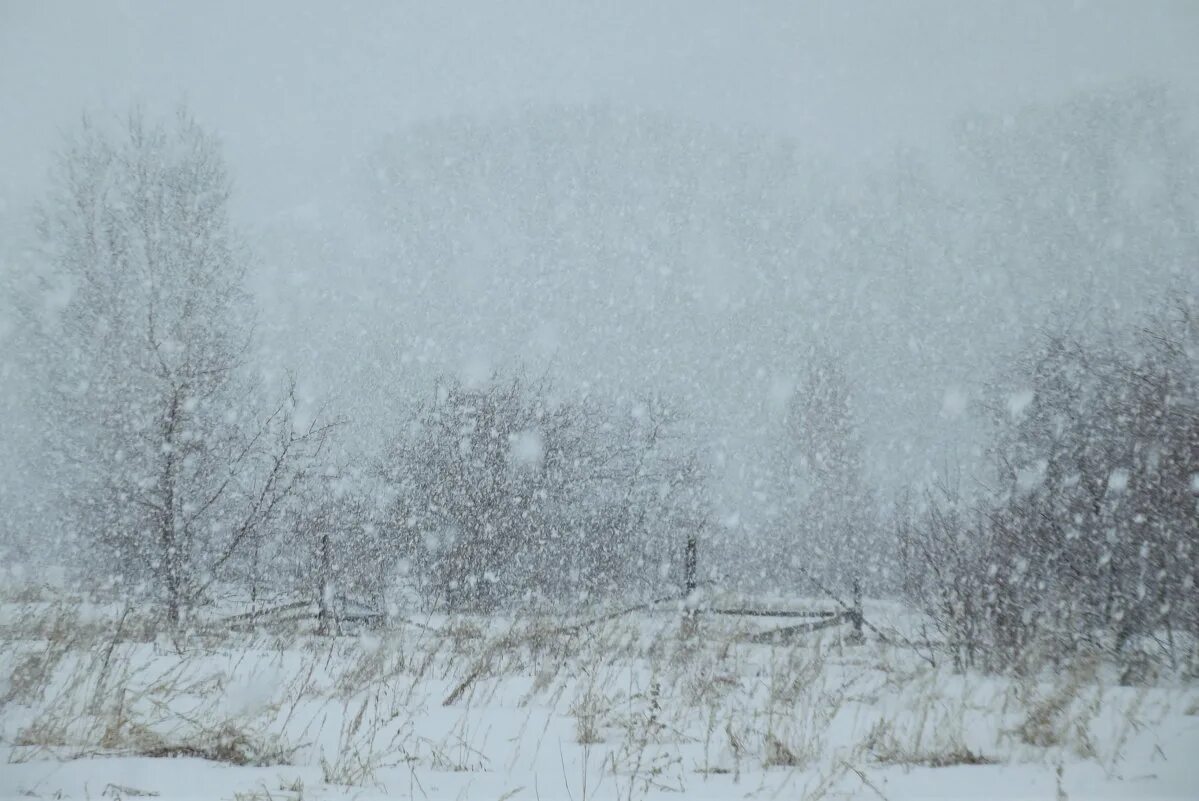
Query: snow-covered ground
x=94, y=703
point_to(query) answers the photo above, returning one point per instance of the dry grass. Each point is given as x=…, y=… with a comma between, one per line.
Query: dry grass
x=659, y=710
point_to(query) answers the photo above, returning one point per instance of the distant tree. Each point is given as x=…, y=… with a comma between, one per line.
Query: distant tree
x=828, y=509
x=168, y=467
x=1101, y=188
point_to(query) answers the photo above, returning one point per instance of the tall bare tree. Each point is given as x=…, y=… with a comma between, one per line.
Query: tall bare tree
x=167, y=459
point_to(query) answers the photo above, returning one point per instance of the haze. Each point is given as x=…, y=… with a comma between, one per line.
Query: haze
x=859, y=95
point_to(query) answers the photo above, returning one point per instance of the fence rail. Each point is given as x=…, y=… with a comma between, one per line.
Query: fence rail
x=850, y=613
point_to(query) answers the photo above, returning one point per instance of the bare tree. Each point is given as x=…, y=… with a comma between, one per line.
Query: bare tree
x=167, y=462
x=1085, y=542
x=503, y=493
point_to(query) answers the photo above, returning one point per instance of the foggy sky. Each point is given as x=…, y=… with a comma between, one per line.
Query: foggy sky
x=302, y=94
x=298, y=91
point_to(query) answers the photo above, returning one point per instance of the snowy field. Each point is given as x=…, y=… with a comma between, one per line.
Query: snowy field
x=95, y=704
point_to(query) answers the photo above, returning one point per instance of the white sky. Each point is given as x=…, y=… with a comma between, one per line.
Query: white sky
x=298, y=90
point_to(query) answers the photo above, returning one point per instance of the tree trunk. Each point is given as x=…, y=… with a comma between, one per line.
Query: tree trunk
x=172, y=548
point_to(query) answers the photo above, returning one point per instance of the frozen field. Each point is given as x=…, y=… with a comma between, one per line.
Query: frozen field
x=96, y=705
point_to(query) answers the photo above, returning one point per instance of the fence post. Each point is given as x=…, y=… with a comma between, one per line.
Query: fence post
x=326, y=615
x=856, y=616
x=690, y=563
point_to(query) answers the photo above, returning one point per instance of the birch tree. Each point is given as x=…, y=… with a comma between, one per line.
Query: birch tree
x=168, y=464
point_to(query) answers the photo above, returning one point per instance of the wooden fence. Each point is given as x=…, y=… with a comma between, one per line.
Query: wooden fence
x=850, y=614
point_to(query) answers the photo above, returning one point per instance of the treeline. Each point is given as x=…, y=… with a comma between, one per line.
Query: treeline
x=176, y=467
x=180, y=468
x=505, y=495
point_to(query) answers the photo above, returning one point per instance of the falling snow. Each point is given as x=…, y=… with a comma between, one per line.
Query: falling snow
x=598, y=401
